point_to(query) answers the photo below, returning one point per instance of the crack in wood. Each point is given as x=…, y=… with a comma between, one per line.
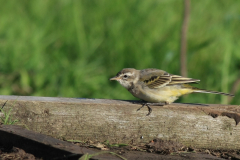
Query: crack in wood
x=213, y=113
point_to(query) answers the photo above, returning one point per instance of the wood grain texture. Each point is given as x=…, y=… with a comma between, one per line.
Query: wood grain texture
x=209, y=126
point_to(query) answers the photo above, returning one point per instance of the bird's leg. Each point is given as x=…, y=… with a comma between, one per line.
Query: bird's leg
x=151, y=104
x=143, y=104
x=149, y=109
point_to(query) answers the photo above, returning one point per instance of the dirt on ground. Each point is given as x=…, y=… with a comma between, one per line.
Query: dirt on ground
x=154, y=150
x=16, y=154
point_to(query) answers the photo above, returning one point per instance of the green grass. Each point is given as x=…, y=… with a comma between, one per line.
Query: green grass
x=71, y=48
x=88, y=156
x=6, y=119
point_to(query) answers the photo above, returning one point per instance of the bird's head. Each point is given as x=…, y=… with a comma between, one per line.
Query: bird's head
x=126, y=77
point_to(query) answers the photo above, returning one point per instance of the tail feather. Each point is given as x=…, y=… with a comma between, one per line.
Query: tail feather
x=213, y=92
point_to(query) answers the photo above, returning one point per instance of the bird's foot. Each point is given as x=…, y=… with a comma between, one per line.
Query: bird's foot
x=151, y=104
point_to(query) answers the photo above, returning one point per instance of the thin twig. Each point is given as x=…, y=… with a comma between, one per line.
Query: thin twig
x=3, y=105
x=183, y=49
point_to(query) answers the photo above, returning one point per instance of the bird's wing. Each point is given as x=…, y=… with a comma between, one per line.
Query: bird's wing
x=154, y=78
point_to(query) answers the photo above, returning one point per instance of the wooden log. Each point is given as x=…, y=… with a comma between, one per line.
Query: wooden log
x=43, y=146
x=210, y=126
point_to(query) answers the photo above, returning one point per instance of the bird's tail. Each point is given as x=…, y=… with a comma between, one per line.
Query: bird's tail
x=213, y=92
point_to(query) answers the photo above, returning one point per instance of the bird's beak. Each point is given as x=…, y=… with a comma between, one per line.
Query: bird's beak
x=114, y=78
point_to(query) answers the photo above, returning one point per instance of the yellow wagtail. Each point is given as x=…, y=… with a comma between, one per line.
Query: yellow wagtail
x=157, y=86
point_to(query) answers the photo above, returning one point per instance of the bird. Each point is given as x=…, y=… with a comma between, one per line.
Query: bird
x=157, y=87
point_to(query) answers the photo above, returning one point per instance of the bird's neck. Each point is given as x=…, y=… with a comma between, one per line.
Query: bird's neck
x=130, y=87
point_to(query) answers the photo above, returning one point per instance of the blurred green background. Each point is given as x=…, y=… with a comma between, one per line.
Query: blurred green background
x=70, y=48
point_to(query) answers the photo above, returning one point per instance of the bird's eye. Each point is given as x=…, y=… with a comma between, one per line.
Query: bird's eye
x=125, y=76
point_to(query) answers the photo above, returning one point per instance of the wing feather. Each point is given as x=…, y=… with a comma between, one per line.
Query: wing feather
x=154, y=78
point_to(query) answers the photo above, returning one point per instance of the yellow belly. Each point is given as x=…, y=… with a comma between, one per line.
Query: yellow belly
x=165, y=94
